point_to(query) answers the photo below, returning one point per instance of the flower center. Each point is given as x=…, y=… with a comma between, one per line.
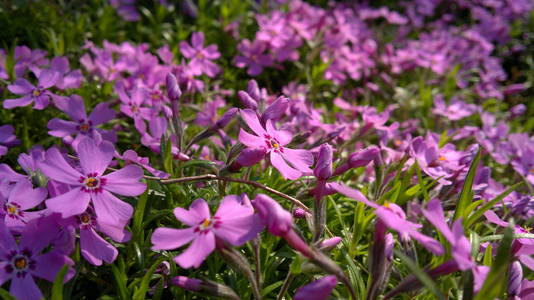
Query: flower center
x=84, y=126
x=20, y=263
x=13, y=210
x=442, y=158
x=92, y=183
x=37, y=92
x=200, y=55
x=273, y=143
x=85, y=219
x=135, y=108
x=531, y=170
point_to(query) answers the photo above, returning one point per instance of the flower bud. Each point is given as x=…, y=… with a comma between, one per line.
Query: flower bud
x=323, y=168
x=276, y=219
x=247, y=100
x=173, y=89
x=317, y=290
x=276, y=109
x=300, y=213
x=514, y=279
x=359, y=159
x=207, y=287
x=329, y=244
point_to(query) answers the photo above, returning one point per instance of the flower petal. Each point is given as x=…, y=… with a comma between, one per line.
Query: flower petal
x=25, y=288
x=250, y=140
x=251, y=119
x=125, y=181
x=94, y=158
x=299, y=158
x=61, y=128
x=101, y=114
x=201, y=247
x=110, y=209
x=56, y=167
x=47, y=265
x=72, y=203
x=170, y=238
x=95, y=249
x=280, y=164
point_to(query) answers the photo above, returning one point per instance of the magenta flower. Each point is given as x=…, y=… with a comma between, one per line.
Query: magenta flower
x=461, y=247
x=234, y=223
x=319, y=289
x=39, y=95
x=21, y=262
x=3, y=71
x=456, y=110
x=394, y=218
x=290, y=162
x=90, y=185
x=253, y=57
x=82, y=125
x=7, y=138
x=22, y=197
x=200, y=57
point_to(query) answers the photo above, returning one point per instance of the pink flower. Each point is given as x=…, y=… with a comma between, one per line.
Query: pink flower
x=90, y=185
x=290, y=162
x=201, y=58
x=39, y=95
x=233, y=223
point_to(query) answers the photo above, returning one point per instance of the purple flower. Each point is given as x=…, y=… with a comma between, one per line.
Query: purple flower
x=90, y=185
x=233, y=223
x=200, y=57
x=461, y=247
x=291, y=163
x=7, y=138
x=67, y=79
x=22, y=197
x=39, y=94
x=27, y=58
x=132, y=104
x=456, y=110
x=3, y=71
x=82, y=126
x=21, y=262
x=93, y=247
x=253, y=56
x=319, y=289
x=394, y=218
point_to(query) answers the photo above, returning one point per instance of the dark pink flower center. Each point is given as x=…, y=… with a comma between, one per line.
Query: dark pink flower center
x=86, y=220
x=13, y=210
x=20, y=263
x=207, y=224
x=273, y=144
x=85, y=126
x=37, y=92
x=92, y=183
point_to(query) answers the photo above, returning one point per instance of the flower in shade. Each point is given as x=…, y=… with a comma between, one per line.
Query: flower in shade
x=93, y=247
x=319, y=289
x=200, y=57
x=7, y=138
x=91, y=185
x=81, y=125
x=234, y=223
x=290, y=162
x=394, y=218
x=22, y=262
x=22, y=197
x=39, y=95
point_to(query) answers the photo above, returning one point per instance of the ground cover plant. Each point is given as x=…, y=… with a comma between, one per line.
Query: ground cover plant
x=281, y=149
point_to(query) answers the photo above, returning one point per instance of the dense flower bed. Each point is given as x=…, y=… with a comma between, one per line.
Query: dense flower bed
x=267, y=150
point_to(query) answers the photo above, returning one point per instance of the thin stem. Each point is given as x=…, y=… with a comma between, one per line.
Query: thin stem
x=285, y=286
x=256, y=246
x=207, y=177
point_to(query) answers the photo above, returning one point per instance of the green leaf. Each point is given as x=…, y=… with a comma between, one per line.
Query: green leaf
x=140, y=292
x=5, y=295
x=267, y=290
x=420, y=274
x=479, y=212
x=120, y=279
x=466, y=195
x=57, y=288
x=495, y=283
x=139, y=213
